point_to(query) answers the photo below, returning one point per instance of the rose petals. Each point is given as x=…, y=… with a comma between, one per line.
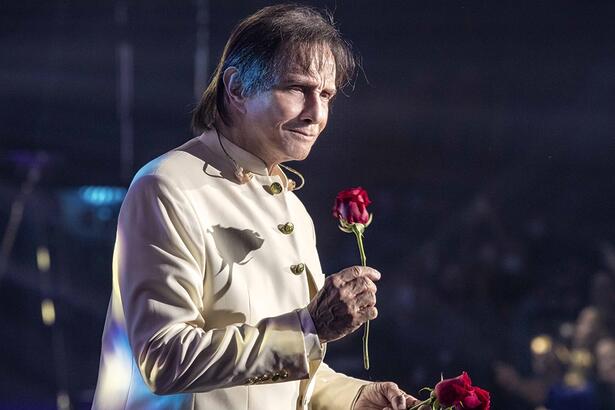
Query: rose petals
x=351, y=206
x=460, y=393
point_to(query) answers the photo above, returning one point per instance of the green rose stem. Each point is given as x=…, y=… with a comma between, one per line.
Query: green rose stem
x=351, y=205
x=427, y=402
x=358, y=229
x=432, y=401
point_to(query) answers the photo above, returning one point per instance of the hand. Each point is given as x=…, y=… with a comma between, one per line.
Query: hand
x=344, y=303
x=384, y=396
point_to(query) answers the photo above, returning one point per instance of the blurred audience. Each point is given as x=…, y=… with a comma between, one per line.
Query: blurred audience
x=605, y=363
x=589, y=328
x=496, y=286
x=548, y=367
x=577, y=372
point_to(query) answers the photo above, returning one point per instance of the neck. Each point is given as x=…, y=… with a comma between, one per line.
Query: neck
x=236, y=136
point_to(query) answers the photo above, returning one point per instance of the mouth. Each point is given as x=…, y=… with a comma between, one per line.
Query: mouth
x=304, y=134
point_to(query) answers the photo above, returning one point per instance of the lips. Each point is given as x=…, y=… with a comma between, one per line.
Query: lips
x=303, y=133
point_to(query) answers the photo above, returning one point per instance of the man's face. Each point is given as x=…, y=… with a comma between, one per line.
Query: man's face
x=283, y=123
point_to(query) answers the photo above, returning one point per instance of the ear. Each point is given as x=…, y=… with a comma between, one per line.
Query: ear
x=234, y=88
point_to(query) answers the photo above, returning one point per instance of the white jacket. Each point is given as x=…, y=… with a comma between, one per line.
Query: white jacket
x=209, y=295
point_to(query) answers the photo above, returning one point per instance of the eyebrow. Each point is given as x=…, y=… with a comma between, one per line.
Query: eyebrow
x=306, y=80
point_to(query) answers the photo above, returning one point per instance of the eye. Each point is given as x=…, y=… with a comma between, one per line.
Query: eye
x=297, y=88
x=325, y=95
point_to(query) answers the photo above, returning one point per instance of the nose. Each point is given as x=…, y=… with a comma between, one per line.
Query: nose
x=314, y=110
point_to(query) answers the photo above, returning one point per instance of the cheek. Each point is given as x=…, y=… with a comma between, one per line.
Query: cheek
x=287, y=107
x=325, y=119
x=267, y=111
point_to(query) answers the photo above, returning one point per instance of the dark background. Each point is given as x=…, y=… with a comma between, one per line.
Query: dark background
x=483, y=132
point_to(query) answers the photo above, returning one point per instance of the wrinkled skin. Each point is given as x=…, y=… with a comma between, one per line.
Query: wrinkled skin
x=345, y=302
x=385, y=396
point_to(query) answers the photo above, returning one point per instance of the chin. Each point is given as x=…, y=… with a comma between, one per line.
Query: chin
x=297, y=152
x=300, y=156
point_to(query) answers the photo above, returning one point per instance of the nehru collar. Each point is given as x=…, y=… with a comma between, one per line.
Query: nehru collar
x=245, y=159
x=248, y=162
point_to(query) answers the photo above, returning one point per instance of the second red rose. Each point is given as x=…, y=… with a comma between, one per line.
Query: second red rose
x=460, y=393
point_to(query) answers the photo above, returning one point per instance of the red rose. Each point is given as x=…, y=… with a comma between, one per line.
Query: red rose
x=483, y=396
x=351, y=206
x=350, y=210
x=460, y=393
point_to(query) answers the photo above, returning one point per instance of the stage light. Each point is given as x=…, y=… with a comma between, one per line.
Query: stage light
x=48, y=312
x=541, y=344
x=43, y=262
x=63, y=400
x=90, y=211
x=102, y=195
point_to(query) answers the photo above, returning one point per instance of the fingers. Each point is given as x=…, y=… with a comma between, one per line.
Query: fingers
x=413, y=401
x=359, y=285
x=363, y=308
x=355, y=272
x=395, y=396
x=368, y=313
x=365, y=299
x=372, y=313
x=346, y=301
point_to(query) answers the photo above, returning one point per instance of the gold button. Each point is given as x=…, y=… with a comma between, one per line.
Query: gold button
x=286, y=228
x=283, y=373
x=275, y=188
x=297, y=269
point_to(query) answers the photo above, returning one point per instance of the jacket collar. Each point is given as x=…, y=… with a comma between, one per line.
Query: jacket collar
x=250, y=163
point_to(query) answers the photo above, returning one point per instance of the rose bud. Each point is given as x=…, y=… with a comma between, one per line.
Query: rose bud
x=351, y=207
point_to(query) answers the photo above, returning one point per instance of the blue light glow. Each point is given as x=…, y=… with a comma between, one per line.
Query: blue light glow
x=102, y=195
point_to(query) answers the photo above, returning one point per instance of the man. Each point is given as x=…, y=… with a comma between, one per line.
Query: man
x=219, y=301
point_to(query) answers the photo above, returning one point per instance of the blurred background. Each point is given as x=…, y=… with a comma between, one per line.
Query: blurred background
x=483, y=132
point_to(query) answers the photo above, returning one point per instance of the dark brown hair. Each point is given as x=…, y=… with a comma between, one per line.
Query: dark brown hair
x=261, y=47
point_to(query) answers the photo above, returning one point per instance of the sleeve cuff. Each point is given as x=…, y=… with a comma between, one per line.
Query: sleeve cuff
x=313, y=348
x=356, y=397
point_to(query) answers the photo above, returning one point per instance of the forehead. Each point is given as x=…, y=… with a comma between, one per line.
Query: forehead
x=315, y=63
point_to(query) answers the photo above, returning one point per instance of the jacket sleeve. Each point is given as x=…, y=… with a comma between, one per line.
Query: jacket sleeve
x=161, y=268
x=334, y=390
